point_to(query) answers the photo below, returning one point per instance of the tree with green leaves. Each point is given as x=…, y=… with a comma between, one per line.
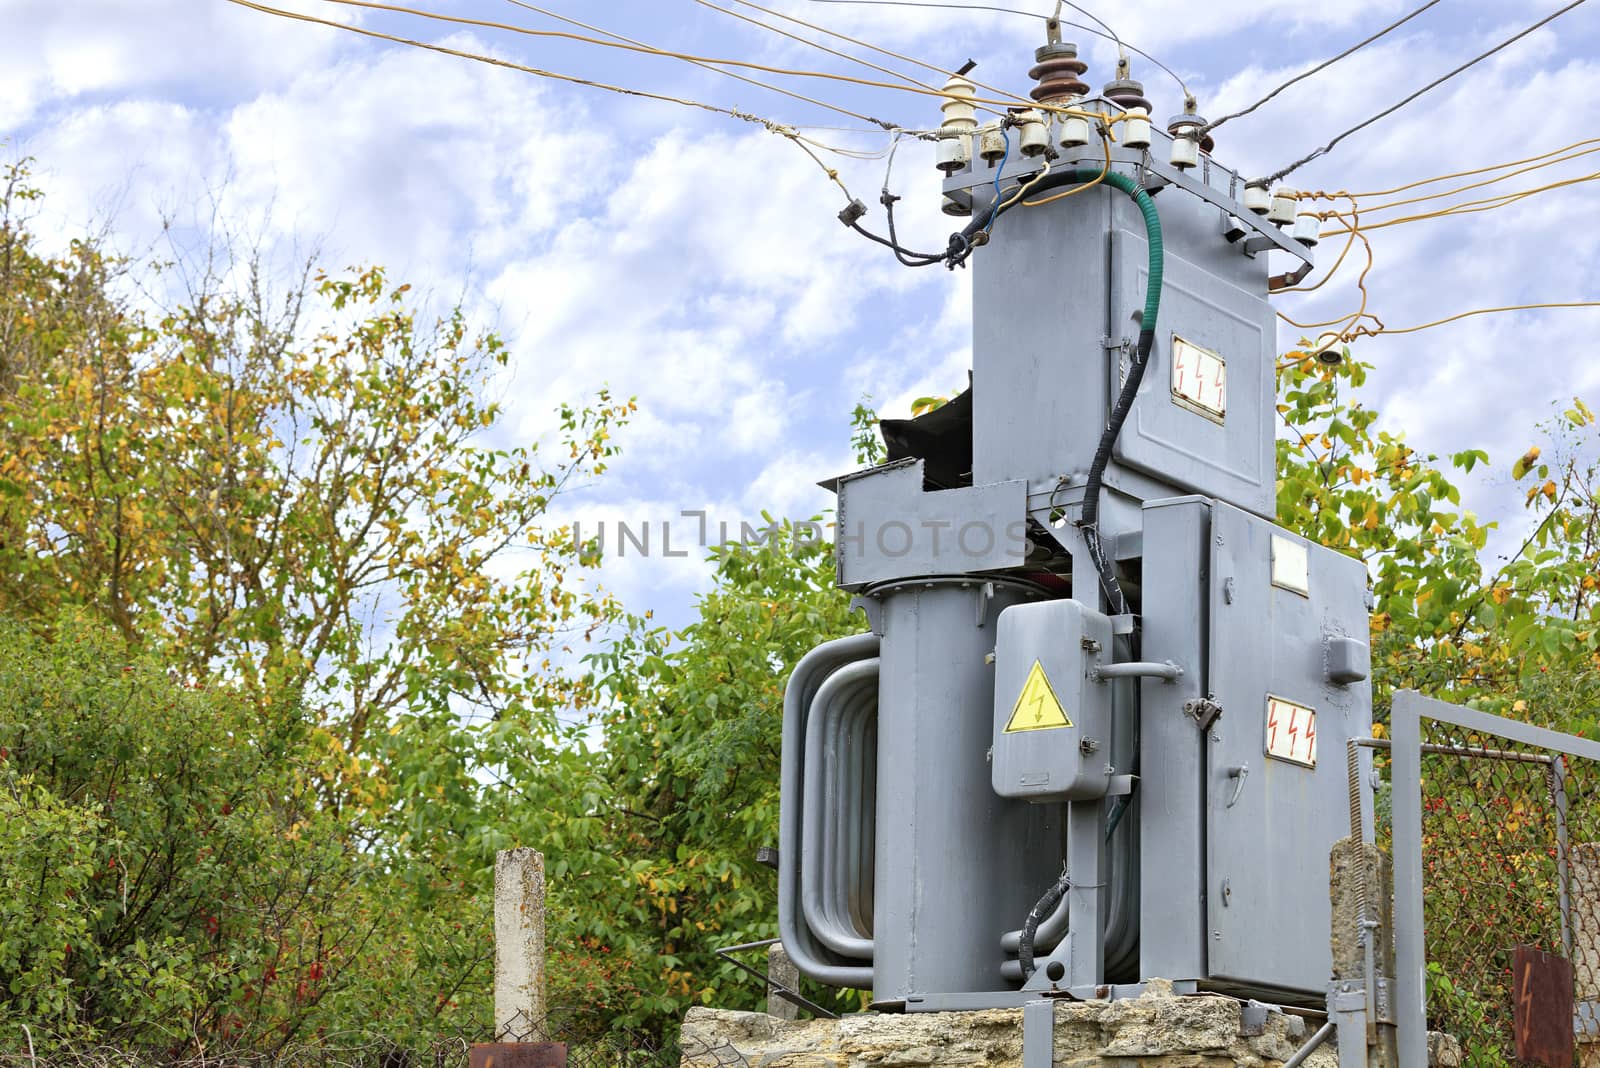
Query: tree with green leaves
x=290, y=519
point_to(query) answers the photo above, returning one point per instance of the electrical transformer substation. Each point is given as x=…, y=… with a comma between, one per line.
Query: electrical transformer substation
x=1096, y=730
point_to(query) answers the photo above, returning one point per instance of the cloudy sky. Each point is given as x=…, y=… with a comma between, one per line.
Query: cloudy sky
x=695, y=260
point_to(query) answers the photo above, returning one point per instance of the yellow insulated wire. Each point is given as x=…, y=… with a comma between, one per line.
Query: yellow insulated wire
x=1366, y=332
x=1346, y=323
x=716, y=109
x=1022, y=190
x=704, y=66
x=1458, y=190
x=691, y=58
x=1352, y=220
x=882, y=51
x=1457, y=174
x=1105, y=139
x=1472, y=207
x=815, y=44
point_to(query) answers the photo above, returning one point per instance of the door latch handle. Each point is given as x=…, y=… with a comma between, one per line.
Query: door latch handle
x=1238, y=775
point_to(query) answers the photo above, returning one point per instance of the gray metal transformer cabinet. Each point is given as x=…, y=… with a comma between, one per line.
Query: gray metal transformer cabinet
x=1173, y=775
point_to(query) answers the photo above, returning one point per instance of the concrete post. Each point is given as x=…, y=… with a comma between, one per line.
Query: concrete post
x=519, y=991
x=1358, y=871
x=780, y=969
x=1585, y=904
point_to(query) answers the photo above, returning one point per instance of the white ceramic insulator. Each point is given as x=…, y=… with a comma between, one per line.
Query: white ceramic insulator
x=955, y=152
x=1034, y=133
x=1307, y=228
x=1257, y=199
x=1185, y=152
x=1285, y=205
x=958, y=108
x=1074, y=131
x=992, y=144
x=1136, y=129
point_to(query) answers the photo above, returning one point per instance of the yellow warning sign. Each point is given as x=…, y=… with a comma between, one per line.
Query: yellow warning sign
x=1037, y=708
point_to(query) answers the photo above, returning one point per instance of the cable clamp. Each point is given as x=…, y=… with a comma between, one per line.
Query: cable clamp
x=852, y=213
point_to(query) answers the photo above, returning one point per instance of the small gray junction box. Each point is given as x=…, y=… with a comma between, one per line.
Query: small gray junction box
x=1052, y=715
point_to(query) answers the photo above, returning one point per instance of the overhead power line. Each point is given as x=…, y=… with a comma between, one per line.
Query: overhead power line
x=1085, y=12
x=1284, y=172
x=733, y=113
x=1362, y=331
x=1497, y=179
x=874, y=48
x=687, y=57
x=1468, y=174
x=704, y=66
x=1324, y=65
x=1472, y=207
x=814, y=44
x=1105, y=33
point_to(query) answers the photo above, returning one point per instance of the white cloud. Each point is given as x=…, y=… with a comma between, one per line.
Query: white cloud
x=697, y=262
x=56, y=54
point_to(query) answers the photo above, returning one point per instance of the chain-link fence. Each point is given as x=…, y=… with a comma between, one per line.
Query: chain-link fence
x=1495, y=827
x=591, y=1041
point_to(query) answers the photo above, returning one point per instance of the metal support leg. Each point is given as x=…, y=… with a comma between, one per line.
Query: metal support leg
x=1086, y=856
x=1347, y=1011
x=1038, y=1034
x=1079, y=958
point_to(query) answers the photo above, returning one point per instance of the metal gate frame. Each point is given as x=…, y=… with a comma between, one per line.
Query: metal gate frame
x=1409, y=710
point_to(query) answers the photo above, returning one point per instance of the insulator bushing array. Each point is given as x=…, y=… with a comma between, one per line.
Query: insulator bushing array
x=1033, y=131
x=1285, y=204
x=991, y=143
x=1073, y=131
x=1136, y=128
x=1186, y=140
x=1308, y=228
x=960, y=119
x=1127, y=94
x=1059, y=73
x=1189, y=139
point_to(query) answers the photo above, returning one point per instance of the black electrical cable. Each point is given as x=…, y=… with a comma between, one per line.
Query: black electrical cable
x=851, y=216
x=1324, y=65
x=1053, y=180
x=1030, y=927
x=1089, y=523
x=1325, y=149
x=910, y=259
x=1097, y=470
x=917, y=259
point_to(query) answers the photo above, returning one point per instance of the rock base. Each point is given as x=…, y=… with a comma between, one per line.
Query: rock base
x=1157, y=1030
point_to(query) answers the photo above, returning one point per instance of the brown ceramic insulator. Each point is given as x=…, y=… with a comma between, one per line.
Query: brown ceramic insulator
x=1059, y=76
x=1126, y=93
